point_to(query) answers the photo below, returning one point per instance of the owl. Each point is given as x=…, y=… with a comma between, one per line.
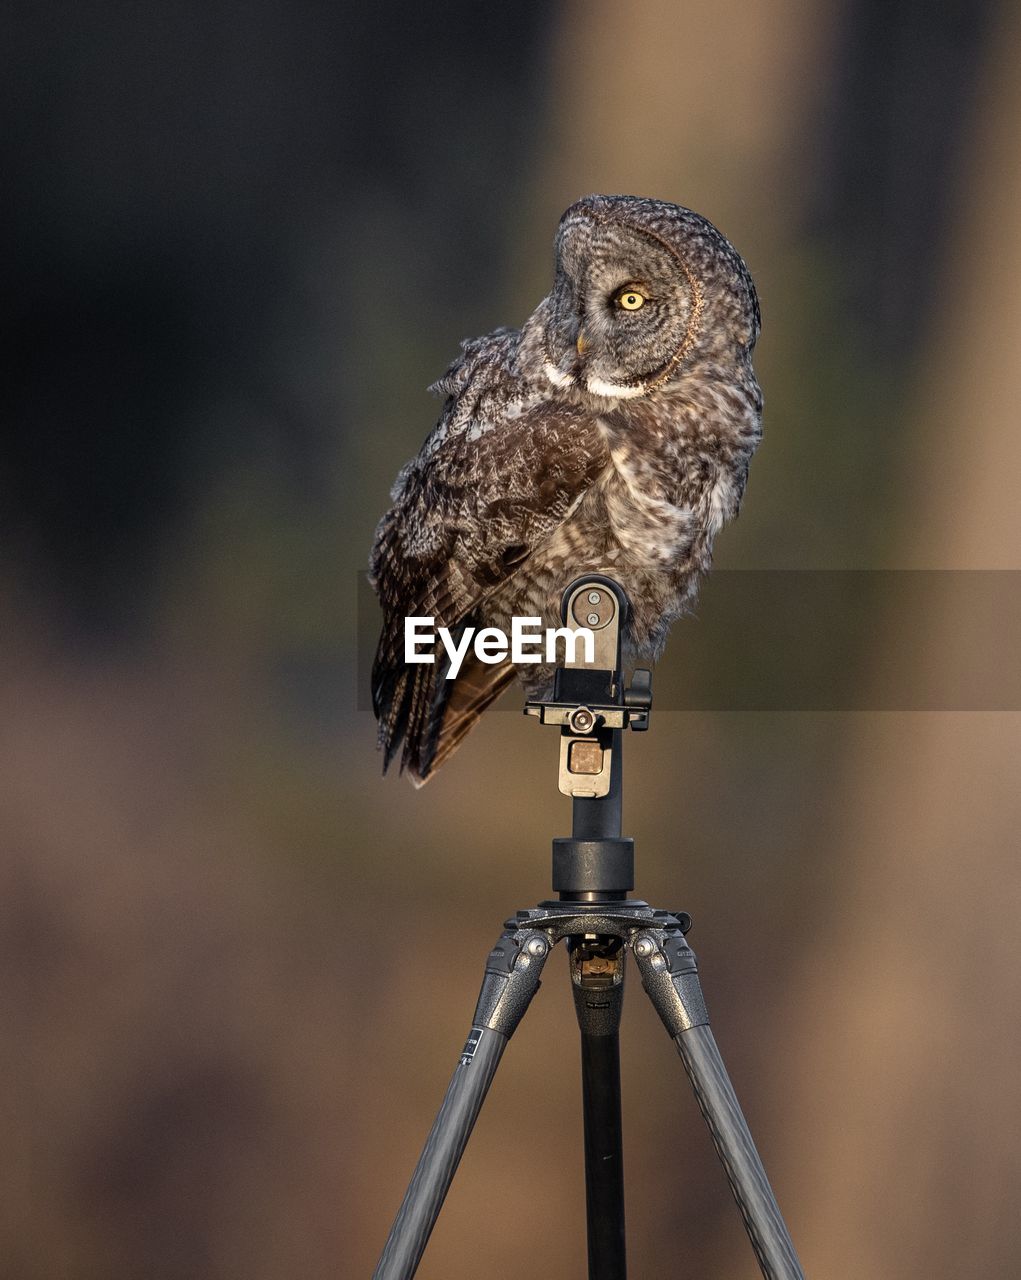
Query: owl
x=611, y=433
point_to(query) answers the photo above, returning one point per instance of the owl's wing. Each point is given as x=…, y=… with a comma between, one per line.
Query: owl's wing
x=499, y=474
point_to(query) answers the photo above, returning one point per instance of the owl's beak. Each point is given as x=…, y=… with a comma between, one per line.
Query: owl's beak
x=581, y=343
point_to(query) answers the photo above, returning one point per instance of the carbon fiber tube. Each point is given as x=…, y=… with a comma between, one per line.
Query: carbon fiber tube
x=440, y=1156
x=766, y=1230
x=604, y=1163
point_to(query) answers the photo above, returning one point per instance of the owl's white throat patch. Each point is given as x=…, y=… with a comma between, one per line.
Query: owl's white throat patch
x=557, y=376
x=613, y=390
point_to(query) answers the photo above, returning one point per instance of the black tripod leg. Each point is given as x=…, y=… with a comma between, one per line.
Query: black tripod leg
x=512, y=977
x=766, y=1229
x=670, y=977
x=597, y=978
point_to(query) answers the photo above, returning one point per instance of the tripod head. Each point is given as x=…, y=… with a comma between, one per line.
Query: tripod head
x=592, y=708
x=590, y=701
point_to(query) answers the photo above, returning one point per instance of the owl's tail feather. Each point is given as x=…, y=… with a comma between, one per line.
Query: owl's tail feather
x=425, y=716
x=459, y=704
x=402, y=697
x=390, y=703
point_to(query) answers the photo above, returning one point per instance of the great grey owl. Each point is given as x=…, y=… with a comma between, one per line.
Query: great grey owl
x=611, y=433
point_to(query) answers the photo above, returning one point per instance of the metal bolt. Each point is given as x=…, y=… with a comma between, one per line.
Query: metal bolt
x=594, y=597
x=644, y=946
x=592, y=619
x=582, y=720
x=537, y=946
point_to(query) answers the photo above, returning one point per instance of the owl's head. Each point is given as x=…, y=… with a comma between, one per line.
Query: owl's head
x=642, y=289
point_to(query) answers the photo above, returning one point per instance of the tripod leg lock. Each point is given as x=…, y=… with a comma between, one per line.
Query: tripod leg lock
x=669, y=974
x=512, y=977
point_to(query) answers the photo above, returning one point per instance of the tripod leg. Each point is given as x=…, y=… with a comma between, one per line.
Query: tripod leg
x=512, y=977
x=670, y=977
x=597, y=975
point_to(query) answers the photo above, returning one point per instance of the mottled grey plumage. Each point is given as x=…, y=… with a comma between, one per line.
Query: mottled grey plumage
x=612, y=433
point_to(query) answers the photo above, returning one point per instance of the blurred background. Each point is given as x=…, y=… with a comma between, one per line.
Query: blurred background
x=236, y=965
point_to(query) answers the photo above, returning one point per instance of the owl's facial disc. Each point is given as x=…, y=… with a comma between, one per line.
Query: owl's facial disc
x=620, y=310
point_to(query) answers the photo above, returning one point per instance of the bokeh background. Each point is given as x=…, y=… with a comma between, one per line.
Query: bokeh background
x=236, y=965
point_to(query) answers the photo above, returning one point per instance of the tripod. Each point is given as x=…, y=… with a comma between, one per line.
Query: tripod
x=593, y=871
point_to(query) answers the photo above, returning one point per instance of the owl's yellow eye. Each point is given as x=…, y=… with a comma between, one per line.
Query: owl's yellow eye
x=630, y=299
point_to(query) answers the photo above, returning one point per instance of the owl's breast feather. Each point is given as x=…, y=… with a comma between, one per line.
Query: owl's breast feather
x=644, y=511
